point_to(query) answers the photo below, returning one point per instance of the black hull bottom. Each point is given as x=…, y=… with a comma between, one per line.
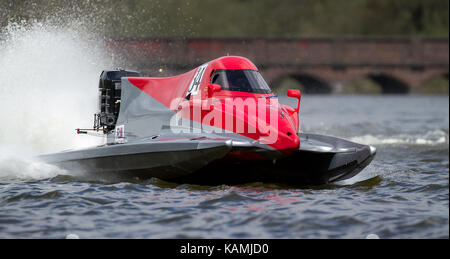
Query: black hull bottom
x=306, y=169
x=127, y=161
x=320, y=160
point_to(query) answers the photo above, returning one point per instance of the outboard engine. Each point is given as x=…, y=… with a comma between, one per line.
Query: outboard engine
x=109, y=98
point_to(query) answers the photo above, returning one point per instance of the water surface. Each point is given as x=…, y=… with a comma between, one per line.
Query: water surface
x=403, y=193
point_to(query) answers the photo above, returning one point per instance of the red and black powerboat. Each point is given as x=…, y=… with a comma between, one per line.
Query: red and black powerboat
x=217, y=124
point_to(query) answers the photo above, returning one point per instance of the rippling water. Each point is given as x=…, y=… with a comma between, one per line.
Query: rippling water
x=403, y=193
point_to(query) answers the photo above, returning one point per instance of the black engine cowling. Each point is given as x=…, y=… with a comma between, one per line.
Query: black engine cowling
x=109, y=98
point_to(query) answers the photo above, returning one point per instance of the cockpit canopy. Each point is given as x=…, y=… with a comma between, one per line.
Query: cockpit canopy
x=242, y=80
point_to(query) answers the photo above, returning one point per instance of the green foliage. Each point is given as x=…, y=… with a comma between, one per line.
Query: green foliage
x=437, y=85
x=240, y=18
x=281, y=87
x=361, y=86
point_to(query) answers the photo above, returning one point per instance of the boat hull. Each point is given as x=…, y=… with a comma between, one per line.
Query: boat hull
x=145, y=160
x=319, y=160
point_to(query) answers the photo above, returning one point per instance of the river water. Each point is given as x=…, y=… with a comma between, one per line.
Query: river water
x=403, y=193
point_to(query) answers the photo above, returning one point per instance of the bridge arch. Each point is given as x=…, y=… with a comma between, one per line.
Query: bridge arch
x=389, y=84
x=307, y=83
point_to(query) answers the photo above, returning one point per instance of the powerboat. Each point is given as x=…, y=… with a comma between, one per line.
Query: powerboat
x=219, y=123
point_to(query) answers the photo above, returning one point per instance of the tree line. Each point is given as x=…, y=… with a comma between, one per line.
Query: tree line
x=238, y=18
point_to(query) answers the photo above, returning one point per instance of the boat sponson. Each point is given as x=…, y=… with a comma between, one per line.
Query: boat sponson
x=164, y=160
x=319, y=160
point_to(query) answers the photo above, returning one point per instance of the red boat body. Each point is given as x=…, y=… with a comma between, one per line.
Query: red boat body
x=218, y=123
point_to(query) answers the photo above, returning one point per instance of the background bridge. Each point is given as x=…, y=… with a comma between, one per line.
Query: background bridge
x=321, y=65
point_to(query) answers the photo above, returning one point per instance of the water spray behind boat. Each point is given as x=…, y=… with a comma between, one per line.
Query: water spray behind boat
x=46, y=90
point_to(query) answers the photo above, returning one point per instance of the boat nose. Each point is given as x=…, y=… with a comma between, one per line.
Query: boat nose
x=280, y=138
x=287, y=139
x=275, y=128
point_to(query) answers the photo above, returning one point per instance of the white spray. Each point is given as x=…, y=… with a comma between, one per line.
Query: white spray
x=48, y=88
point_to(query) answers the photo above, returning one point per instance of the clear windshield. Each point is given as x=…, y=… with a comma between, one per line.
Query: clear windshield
x=241, y=80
